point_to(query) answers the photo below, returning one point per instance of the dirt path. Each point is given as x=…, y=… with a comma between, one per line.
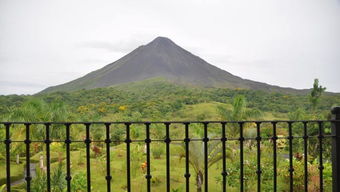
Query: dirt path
x=33, y=174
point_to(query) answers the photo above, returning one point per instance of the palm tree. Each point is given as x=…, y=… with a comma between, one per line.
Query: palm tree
x=196, y=158
x=37, y=110
x=238, y=112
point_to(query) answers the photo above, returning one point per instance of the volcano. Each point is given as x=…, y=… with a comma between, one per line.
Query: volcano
x=162, y=58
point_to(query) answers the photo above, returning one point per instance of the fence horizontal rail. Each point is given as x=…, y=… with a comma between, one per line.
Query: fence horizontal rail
x=174, y=140
x=201, y=178
x=165, y=122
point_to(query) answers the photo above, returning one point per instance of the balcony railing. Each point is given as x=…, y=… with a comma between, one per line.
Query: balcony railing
x=321, y=139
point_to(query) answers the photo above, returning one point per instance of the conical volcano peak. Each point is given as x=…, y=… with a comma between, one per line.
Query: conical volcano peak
x=162, y=39
x=161, y=42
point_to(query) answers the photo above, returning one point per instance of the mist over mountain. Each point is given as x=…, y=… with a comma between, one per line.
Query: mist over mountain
x=162, y=58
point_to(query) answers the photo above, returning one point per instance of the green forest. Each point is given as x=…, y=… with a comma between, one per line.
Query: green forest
x=159, y=100
x=152, y=100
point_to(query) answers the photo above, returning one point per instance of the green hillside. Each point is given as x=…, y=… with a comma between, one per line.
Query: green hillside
x=156, y=99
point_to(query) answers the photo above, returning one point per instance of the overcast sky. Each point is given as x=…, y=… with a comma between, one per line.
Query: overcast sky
x=286, y=43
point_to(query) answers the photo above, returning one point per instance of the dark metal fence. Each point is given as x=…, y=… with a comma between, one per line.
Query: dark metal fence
x=321, y=137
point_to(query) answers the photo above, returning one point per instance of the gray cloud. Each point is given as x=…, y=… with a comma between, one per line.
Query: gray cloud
x=287, y=43
x=20, y=84
x=121, y=46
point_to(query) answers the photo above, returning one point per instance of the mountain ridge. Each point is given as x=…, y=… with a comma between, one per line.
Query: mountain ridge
x=163, y=58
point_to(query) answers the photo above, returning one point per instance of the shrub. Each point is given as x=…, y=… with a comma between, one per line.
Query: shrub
x=157, y=152
x=58, y=182
x=155, y=181
x=39, y=182
x=79, y=182
x=313, y=175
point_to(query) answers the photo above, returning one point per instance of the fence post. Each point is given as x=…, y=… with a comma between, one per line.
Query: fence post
x=336, y=149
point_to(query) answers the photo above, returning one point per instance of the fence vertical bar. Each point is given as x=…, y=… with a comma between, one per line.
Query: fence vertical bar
x=320, y=137
x=8, y=157
x=205, y=141
x=147, y=142
x=187, y=173
x=241, y=139
x=258, y=140
x=108, y=165
x=48, y=156
x=128, y=171
x=336, y=149
x=88, y=159
x=167, y=142
x=305, y=152
x=28, y=163
x=274, y=139
x=224, y=157
x=291, y=169
x=68, y=157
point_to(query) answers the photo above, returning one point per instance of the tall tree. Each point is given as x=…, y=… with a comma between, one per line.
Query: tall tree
x=316, y=93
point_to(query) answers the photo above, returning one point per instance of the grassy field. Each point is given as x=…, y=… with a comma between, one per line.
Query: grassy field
x=209, y=111
x=17, y=171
